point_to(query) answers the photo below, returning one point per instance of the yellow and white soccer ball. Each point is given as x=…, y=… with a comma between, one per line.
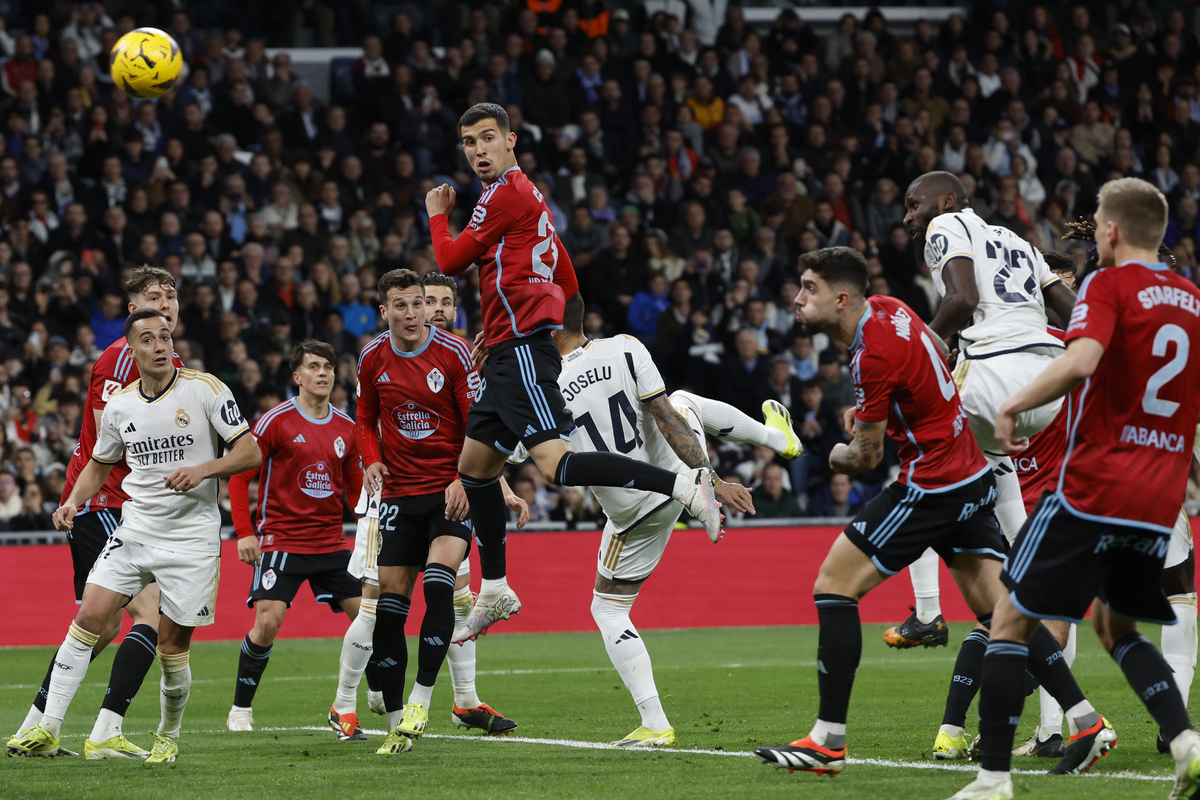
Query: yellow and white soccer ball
x=146, y=63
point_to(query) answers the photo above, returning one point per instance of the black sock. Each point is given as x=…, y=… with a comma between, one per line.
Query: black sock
x=391, y=651
x=39, y=699
x=965, y=683
x=372, y=675
x=133, y=660
x=489, y=516
x=251, y=664
x=839, y=649
x=438, y=625
x=1150, y=676
x=1001, y=698
x=1048, y=666
x=611, y=469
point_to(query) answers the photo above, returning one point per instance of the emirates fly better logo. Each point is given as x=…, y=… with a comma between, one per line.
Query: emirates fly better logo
x=415, y=421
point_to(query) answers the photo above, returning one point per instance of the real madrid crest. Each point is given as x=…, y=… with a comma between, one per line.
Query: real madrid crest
x=182, y=419
x=435, y=379
x=339, y=447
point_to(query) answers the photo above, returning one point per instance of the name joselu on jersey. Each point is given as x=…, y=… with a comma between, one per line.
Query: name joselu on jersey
x=584, y=380
x=158, y=450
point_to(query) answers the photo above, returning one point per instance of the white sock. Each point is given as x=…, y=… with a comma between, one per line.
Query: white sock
x=1081, y=709
x=822, y=730
x=462, y=657
x=70, y=668
x=1052, y=714
x=952, y=730
x=356, y=652
x=992, y=777
x=629, y=656
x=489, y=586
x=108, y=725
x=32, y=718
x=1010, y=506
x=175, y=686
x=1179, y=642
x=924, y=575
x=723, y=420
x=394, y=718
x=421, y=694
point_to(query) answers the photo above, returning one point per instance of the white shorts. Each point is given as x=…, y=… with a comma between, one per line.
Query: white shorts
x=187, y=584
x=633, y=555
x=364, y=559
x=985, y=383
x=1181, y=542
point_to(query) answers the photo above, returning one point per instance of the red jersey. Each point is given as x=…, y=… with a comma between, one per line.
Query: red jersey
x=900, y=376
x=114, y=370
x=1132, y=423
x=418, y=403
x=525, y=274
x=307, y=465
x=1037, y=467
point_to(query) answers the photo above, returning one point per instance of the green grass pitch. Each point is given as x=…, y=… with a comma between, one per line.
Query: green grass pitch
x=725, y=690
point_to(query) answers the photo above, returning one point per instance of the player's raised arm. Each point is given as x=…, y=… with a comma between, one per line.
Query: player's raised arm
x=455, y=256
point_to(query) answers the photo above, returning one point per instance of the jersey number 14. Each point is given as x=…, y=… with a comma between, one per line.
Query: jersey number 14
x=619, y=409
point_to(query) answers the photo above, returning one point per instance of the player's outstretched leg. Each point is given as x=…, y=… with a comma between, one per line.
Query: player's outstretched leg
x=926, y=626
x=356, y=653
x=67, y=674
x=629, y=656
x=727, y=422
x=469, y=711
x=133, y=660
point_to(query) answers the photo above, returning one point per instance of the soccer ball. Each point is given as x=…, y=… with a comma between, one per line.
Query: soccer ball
x=146, y=63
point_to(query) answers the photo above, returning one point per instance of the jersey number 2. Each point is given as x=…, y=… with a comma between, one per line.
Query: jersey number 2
x=546, y=245
x=1000, y=282
x=618, y=407
x=1151, y=403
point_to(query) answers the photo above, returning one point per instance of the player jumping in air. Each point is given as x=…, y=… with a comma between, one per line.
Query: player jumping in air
x=525, y=278
x=943, y=498
x=996, y=293
x=310, y=460
x=618, y=400
x=1134, y=396
x=97, y=518
x=168, y=426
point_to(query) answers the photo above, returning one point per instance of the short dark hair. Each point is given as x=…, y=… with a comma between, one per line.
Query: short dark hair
x=573, y=315
x=138, y=316
x=481, y=111
x=841, y=266
x=440, y=279
x=1059, y=262
x=146, y=276
x=397, y=279
x=313, y=347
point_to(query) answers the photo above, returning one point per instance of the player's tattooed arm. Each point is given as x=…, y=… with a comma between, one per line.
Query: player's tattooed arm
x=678, y=433
x=864, y=452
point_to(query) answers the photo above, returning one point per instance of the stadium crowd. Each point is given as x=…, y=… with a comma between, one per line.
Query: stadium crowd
x=688, y=161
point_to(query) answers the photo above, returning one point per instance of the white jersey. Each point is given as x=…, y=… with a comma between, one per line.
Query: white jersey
x=1010, y=274
x=182, y=427
x=605, y=385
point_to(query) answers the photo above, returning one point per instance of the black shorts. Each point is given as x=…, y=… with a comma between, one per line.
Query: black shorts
x=519, y=399
x=902, y=521
x=1060, y=561
x=278, y=576
x=408, y=526
x=87, y=539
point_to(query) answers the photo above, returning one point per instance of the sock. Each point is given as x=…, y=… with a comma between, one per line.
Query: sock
x=421, y=693
x=1148, y=674
x=1001, y=698
x=965, y=683
x=629, y=656
x=462, y=657
x=489, y=518
x=67, y=674
x=829, y=734
x=391, y=651
x=34, y=715
x=251, y=664
x=176, y=685
x=356, y=652
x=1046, y=663
x=723, y=420
x=133, y=660
x=924, y=575
x=1052, y=713
x=1179, y=642
x=438, y=625
x=611, y=469
x=1081, y=716
x=1010, y=506
x=371, y=673
x=839, y=649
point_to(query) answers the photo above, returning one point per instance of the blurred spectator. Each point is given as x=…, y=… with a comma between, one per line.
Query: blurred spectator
x=839, y=498
x=773, y=500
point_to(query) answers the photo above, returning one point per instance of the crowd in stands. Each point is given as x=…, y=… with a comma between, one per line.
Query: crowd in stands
x=688, y=160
